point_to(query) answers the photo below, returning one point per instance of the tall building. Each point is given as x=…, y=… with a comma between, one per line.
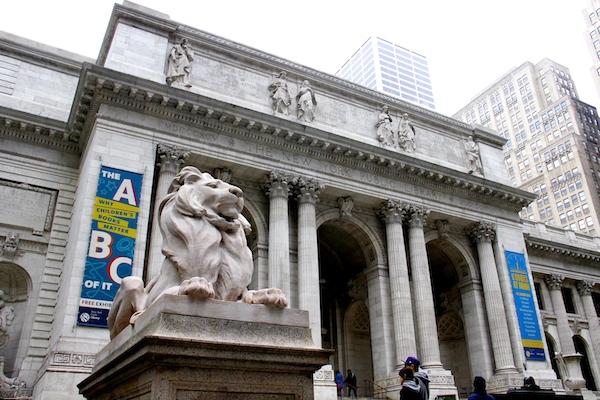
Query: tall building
x=552, y=142
x=386, y=67
x=592, y=21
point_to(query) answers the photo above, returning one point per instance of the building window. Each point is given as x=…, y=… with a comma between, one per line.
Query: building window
x=567, y=294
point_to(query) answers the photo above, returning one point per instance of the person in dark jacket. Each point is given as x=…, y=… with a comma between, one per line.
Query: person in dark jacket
x=420, y=376
x=479, y=392
x=410, y=389
x=351, y=383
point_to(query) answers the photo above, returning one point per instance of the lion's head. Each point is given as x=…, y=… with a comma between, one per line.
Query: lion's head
x=200, y=195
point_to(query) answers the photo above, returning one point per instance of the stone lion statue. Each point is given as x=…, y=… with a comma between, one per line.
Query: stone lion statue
x=205, y=249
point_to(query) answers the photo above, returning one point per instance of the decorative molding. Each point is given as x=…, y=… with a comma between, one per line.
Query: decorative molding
x=307, y=190
x=392, y=211
x=171, y=158
x=554, y=281
x=443, y=228
x=323, y=375
x=71, y=361
x=481, y=230
x=278, y=184
x=584, y=288
x=546, y=246
x=345, y=205
x=416, y=215
x=381, y=162
x=10, y=247
x=223, y=174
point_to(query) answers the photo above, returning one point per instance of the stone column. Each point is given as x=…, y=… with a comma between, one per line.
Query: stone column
x=483, y=234
x=568, y=359
x=278, y=190
x=565, y=335
x=429, y=347
x=307, y=192
x=382, y=330
x=585, y=291
x=392, y=213
x=170, y=160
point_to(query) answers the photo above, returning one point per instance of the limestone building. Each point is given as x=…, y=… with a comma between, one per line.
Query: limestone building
x=552, y=142
x=397, y=228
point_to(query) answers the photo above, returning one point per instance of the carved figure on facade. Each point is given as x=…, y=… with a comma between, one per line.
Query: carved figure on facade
x=223, y=174
x=10, y=247
x=205, y=248
x=279, y=93
x=473, y=156
x=481, y=230
x=400, y=136
x=385, y=133
x=406, y=134
x=345, y=205
x=179, y=67
x=306, y=102
x=7, y=316
x=443, y=228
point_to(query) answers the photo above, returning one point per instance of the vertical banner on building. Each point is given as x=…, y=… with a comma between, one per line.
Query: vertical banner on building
x=112, y=243
x=531, y=334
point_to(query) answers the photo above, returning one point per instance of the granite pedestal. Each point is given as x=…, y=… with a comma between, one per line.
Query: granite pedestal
x=184, y=349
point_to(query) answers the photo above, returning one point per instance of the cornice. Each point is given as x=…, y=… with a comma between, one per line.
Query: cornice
x=35, y=129
x=561, y=249
x=47, y=56
x=99, y=85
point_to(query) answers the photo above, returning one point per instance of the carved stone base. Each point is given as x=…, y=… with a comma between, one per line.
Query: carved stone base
x=501, y=381
x=182, y=349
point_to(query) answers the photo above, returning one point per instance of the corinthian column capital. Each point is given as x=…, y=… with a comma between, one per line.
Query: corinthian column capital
x=278, y=184
x=482, y=231
x=391, y=211
x=416, y=215
x=554, y=281
x=584, y=288
x=307, y=190
x=170, y=158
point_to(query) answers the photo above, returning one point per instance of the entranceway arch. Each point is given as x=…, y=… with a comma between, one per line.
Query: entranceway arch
x=347, y=250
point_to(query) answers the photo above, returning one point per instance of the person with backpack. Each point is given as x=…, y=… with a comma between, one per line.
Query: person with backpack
x=421, y=376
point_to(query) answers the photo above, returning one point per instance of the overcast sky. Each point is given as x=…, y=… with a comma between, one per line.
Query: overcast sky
x=469, y=43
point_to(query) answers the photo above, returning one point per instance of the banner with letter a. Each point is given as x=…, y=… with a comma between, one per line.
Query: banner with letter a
x=531, y=334
x=112, y=243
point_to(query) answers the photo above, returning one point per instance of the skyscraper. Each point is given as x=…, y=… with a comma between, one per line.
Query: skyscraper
x=386, y=67
x=552, y=142
x=592, y=20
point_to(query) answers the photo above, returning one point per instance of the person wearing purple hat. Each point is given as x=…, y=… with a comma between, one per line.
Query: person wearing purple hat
x=420, y=376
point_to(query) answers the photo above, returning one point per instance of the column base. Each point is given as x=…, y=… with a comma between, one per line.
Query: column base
x=504, y=379
x=441, y=383
x=324, y=384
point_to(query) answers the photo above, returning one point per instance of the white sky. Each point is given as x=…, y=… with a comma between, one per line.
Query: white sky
x=469, y=43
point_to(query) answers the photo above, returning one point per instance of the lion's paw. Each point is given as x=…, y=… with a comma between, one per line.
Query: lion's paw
x=197, y=287
x=271, y=297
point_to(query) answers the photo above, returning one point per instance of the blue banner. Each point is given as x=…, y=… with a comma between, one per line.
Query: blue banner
x=112, y=243
x=531, y=334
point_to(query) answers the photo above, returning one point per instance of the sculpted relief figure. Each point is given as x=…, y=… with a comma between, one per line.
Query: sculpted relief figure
x=406, y=134
x=180, y=64
x=205, y=249
x=473, y=156
x=306, y=102
x=385, y=133
x=280, y=96
x=401, y=136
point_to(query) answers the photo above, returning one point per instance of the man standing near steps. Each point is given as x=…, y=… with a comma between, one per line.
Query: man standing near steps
x=420, y=375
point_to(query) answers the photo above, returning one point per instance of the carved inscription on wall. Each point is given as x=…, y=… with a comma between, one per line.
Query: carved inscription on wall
x=26, y=206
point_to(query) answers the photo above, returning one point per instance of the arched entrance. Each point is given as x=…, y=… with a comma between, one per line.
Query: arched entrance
x=552, y=354
x=343, y=259
x=15, y=286
x=448, y=268
x=581, y=347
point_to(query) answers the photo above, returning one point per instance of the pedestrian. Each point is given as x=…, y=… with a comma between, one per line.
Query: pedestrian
x=410, y=389
x=339, y=383
x=350, y=382
x=420, y=376
x=479, y=392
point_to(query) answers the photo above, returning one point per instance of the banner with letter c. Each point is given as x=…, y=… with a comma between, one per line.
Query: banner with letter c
x=531, y=334
x=112, y=243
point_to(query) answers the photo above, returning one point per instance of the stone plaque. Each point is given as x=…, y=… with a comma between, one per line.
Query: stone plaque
x=26, y=206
